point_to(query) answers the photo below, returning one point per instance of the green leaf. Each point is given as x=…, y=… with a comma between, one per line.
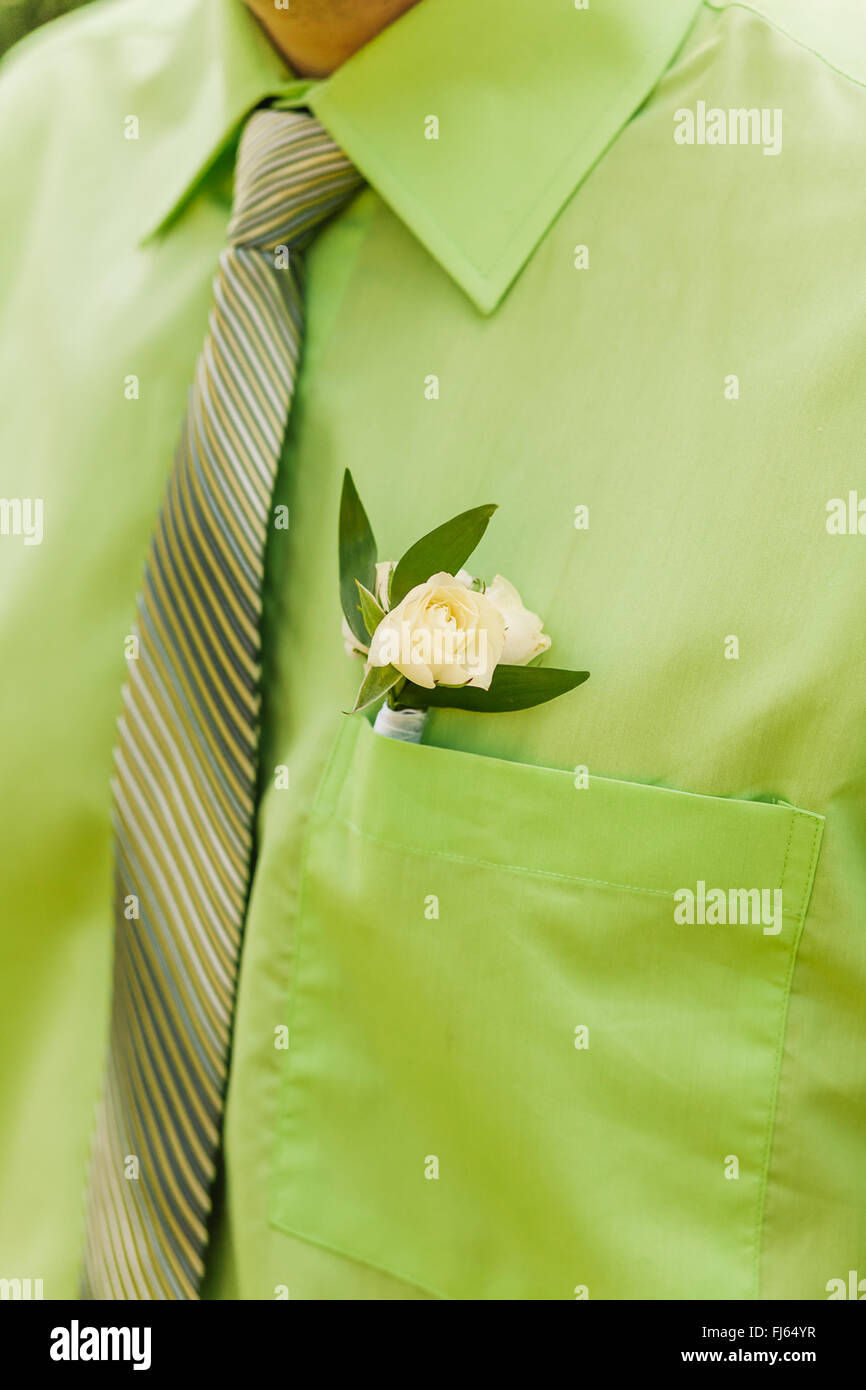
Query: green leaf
x=357, y=555
x=371, y=613
x=376, y=683
x=447, y=548
x=512, y=688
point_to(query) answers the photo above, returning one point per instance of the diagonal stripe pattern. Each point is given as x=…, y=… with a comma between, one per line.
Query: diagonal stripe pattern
x=186, y=757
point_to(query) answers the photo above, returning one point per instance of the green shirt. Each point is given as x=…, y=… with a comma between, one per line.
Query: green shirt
x=513, y=1068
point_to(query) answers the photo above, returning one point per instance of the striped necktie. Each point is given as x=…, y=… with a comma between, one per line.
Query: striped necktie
x=186, y=758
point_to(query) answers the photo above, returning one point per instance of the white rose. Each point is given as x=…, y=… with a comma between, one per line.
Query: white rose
x=441, y=633
x=384, y=570
x=524, y=638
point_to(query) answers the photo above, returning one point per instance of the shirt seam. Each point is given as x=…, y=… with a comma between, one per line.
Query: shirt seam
x=722, y=6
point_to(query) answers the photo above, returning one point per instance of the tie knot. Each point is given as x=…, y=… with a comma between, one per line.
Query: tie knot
x=290, y=176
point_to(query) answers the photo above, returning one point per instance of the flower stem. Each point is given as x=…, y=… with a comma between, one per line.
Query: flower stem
x=405, y=725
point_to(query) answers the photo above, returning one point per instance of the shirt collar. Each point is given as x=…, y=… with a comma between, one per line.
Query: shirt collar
x=527, y=95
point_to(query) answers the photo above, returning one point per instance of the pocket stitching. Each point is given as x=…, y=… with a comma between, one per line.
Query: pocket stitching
x=772, y=1108
x=780, y=1048
x=813, y=860
x=544, y=873
x=330, y=816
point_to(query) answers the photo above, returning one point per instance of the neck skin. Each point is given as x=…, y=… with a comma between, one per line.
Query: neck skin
x=316, y=36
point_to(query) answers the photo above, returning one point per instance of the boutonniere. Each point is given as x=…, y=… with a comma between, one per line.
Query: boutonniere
x=431, y=634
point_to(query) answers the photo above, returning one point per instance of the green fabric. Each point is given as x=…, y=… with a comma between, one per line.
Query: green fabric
x=560, y=1167
x=446, y=1032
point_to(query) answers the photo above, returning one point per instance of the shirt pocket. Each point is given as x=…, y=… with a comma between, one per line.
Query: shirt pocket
x=512, y=1073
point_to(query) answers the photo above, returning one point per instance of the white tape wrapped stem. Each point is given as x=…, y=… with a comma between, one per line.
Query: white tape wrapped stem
x=404, y=724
